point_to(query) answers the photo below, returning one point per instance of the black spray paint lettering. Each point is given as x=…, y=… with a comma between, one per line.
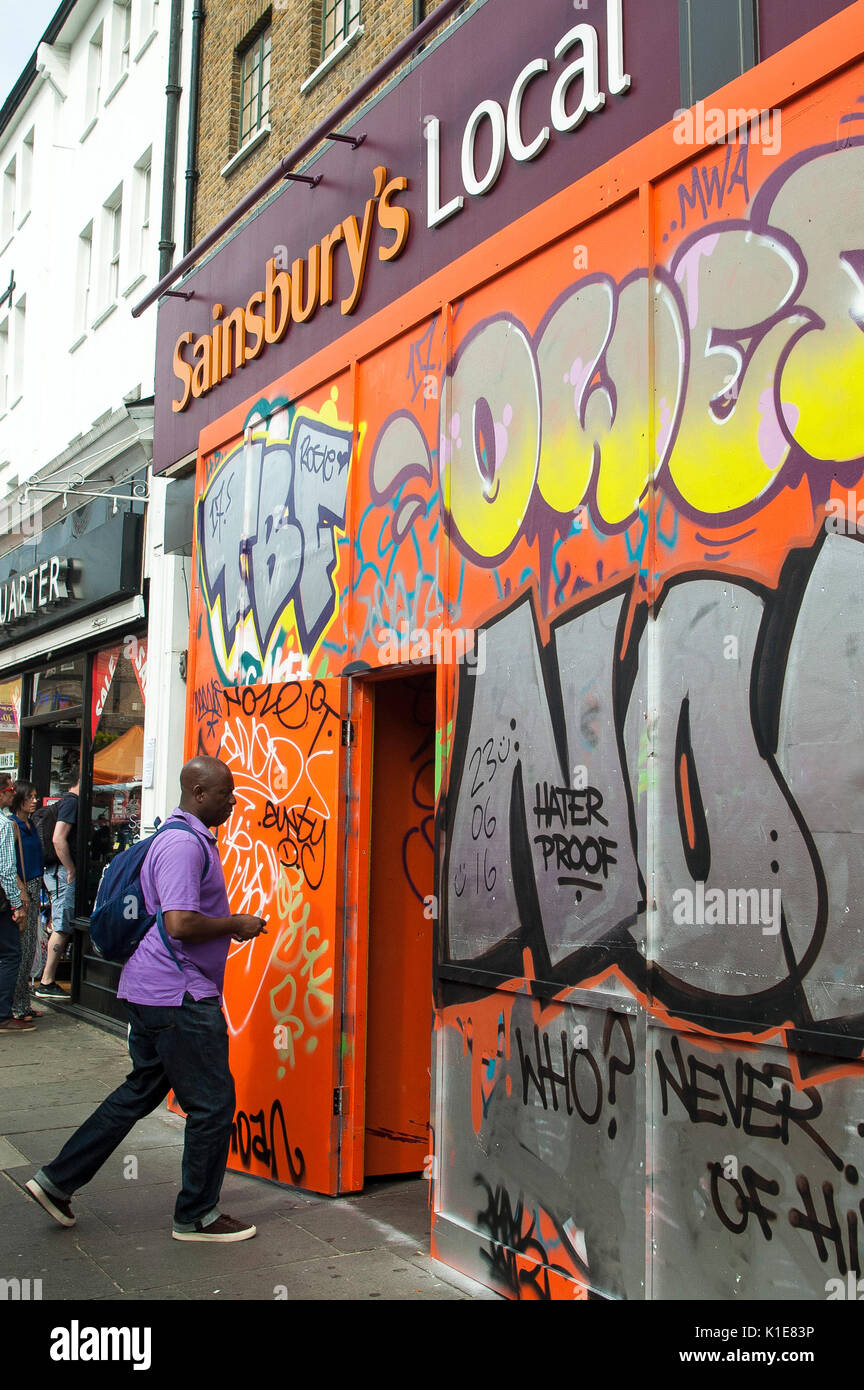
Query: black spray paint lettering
x=290, y=704
x=517, y=1256
x=578, y=1080
x=208, y=706
x=735, y=1202
x=303, y=842
x=708, y=1097
x=252, y=1138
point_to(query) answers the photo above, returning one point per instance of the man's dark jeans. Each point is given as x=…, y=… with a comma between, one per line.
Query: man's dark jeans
x=184, y=1048
x=10, y=960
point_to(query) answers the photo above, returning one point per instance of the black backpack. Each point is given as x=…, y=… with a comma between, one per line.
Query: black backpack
x=44, y=821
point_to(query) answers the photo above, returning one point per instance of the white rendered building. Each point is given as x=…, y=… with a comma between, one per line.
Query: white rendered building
x=94, y=608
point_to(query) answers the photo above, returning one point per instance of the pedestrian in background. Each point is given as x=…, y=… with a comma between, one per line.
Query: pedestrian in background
x=11, y=915
x=61, y=888
x=30, y=866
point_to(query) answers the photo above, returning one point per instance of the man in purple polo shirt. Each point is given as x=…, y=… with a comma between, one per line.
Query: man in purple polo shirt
x=178, y=1038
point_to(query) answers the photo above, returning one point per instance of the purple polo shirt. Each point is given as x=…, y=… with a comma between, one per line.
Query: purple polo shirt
x=171, y=879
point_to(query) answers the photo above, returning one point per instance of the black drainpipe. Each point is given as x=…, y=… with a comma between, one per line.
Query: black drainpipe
x=192, y=173
x=417, y=12
x=173, y=90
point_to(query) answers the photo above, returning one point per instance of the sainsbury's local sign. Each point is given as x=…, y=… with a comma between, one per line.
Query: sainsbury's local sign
x=513, y=104
x=295, y=287
x=575, y=94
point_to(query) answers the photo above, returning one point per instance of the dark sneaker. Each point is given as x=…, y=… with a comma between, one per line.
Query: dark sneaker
x=17, y=1025
x=224, y=1228
x=61, y=1211
x=53, y=992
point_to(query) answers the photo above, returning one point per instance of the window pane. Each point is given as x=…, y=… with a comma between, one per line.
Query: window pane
x=10, y=715
x=58, y=687
x=117, y=731
x=718, y=42
x=254, y=85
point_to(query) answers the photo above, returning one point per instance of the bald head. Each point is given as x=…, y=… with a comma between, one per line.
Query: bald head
x=207, y=790
x=201, y=771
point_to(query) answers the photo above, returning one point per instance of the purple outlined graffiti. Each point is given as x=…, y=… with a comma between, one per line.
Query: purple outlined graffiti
x=265, y=527
x=758, y=350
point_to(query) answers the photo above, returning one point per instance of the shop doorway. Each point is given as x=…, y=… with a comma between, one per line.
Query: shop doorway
x=397, y=1137
x=330, y=1012
x=56, y=758
x=55, y=765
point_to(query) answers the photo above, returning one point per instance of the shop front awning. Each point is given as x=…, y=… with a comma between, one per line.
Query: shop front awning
x=122, y=760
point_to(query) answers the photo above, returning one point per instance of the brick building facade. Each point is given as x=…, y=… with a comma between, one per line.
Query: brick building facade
x=305, y=82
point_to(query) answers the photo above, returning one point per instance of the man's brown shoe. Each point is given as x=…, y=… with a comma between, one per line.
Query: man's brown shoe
x=224, y=1228
x=60, y=1210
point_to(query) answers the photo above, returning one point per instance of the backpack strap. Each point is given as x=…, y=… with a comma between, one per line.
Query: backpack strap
x=160, y=922
x=166, y=938
x=181, y=825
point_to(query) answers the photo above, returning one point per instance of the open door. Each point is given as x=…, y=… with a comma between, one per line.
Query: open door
x=283, y=852
x=397, y=1135
x=329, y=1013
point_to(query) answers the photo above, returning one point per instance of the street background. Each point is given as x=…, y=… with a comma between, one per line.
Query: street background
x=371, y=1246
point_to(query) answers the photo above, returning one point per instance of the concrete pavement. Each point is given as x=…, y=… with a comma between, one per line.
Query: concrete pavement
x=371, y=1246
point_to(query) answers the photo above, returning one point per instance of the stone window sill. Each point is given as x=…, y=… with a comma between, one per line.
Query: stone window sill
x=134, y=285
x=145, y=45
x=117, y=85
x=245, y=150
x=106, y=313
x=332, y=58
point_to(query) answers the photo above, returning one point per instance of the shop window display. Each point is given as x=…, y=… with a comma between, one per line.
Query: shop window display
x=117, y=755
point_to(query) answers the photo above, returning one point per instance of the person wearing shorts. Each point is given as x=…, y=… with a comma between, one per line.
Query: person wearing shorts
x=60, y=881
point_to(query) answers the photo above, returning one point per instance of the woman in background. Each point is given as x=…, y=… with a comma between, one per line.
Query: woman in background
x=28, y=852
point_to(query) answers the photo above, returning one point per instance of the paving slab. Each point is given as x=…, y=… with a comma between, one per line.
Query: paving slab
x=90, y=1089
x=10, y=1157
x=151, y=1296
x=150, y=1260
x=367, y=1275
x=154, y=1166
x=341, y=1226
x=244, y=1185
x=128, y=1210
x=42, y=1116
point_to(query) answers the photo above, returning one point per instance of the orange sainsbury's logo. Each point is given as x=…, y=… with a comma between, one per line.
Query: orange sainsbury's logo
x=294, y=296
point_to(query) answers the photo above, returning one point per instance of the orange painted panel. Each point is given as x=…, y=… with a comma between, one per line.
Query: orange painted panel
x=399, y=1002
x=282, y=860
